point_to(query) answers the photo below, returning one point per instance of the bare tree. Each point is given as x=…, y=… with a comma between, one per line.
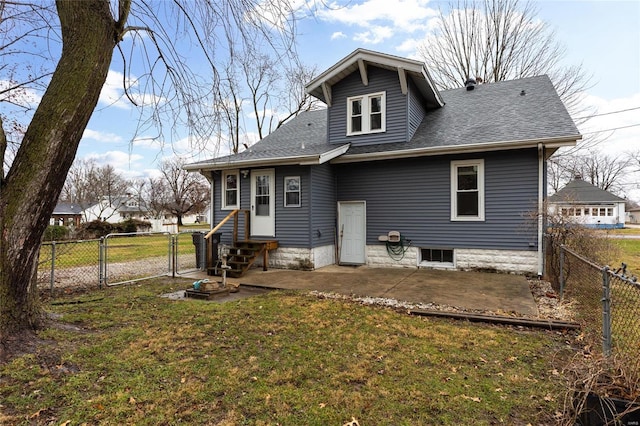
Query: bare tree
x=496, y=40
x=91, y=185
x=178, y=192
x=257, y=85
x=604, y=171
x=78, y=39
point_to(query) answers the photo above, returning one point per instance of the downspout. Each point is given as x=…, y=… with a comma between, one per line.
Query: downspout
x=540, y=209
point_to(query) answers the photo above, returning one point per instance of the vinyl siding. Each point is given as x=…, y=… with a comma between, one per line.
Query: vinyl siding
x=413, y=196
x=218, y=214
x=380, y=80
x=292, y=223
x=416, y=109
x=323, y=205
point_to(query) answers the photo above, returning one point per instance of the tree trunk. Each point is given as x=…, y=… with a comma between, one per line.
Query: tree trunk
x=34, y=182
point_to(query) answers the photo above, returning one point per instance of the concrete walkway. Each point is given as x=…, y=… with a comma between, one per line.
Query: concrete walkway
x=498, y=293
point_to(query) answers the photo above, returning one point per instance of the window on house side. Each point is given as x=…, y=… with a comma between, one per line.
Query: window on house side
x=467, y=190
x=366, y=114
x=230, y=190
x=292, y=191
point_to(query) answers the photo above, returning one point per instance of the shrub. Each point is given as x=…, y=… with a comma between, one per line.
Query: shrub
x=56, y=233
x=95, y=229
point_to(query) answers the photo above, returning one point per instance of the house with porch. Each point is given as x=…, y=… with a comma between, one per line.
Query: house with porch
x=394, y=172
x=583, y=203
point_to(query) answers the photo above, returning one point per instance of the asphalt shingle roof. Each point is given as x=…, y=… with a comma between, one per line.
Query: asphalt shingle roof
x=579, y=191
x=507, y=112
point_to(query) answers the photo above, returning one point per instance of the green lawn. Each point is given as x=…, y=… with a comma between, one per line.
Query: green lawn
x=126, y=356
x=630, y=254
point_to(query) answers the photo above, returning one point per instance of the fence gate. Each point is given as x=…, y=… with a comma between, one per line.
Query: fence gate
x=129, y=257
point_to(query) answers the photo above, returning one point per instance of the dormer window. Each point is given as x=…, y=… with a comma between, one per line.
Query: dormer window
x=366, y=114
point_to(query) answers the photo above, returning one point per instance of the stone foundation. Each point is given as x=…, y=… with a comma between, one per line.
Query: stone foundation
x=300, y=258
x=513, y=261
x=378, y=256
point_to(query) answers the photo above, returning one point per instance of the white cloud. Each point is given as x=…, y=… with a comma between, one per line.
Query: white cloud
x=338, y=35
x=112, y=93
x=405, y=15
x=21, y=96
x=625, y=138
x=375, y=35
x=101, y=136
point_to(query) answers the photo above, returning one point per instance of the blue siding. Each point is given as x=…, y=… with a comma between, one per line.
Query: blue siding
x=292, y=223
x=218, y=214
x=413, y=196
x=380, y=80
x=416, y=108
x=323, y=205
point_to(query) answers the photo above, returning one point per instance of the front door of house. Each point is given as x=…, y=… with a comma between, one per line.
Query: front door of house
x=263, y=203
x=352, y=232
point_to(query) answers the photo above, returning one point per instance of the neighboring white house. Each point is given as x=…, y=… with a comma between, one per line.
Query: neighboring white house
x=589, y=205
x=116, y=209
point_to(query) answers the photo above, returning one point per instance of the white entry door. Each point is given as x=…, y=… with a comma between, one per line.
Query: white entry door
x=263, y=203
x=352, y=230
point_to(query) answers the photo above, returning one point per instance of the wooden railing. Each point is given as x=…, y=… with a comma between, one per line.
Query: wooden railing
x=234, y=214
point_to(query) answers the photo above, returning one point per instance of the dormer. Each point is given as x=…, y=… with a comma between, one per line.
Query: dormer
x=374, y=98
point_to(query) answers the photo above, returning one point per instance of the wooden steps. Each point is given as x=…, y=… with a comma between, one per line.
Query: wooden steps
x=243, y=254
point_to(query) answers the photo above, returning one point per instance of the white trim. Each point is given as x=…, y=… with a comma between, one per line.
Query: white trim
x=223, y=192
x=454, y=190
x=365, y=113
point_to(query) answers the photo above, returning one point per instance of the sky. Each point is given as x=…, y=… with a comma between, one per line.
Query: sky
x=602, y=36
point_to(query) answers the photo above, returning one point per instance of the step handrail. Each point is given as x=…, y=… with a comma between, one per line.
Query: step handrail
x=232, y=214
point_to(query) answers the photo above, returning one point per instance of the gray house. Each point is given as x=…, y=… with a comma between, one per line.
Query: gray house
x=396, y=173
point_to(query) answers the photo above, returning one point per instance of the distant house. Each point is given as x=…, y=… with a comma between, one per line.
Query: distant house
x=395, y=172
x=633, y=215
x=589, y=205
x=66, y=214
x=114, y=209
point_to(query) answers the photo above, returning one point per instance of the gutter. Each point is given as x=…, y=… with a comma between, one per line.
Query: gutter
x=307, y=160
x=540, y=209
x=440, y=150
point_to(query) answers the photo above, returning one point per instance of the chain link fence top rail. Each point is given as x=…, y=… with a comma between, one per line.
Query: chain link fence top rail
x=606, y=302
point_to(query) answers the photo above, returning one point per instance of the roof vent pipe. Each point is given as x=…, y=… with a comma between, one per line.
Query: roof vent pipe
x=470, y=84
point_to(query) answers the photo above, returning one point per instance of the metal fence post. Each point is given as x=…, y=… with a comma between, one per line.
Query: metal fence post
x=173, y=254
x=101, y=263
x=606, y=312
x=52, y=277
x=561, y=271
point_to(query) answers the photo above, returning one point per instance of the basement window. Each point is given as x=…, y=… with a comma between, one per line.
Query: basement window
x=436, y=257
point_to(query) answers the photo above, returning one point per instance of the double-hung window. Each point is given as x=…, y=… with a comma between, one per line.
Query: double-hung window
x=292, y=191
x=366, y=114
x=467, y=190
x=230, y=190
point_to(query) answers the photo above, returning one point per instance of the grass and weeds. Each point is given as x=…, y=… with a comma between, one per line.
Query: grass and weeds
x=126, y=356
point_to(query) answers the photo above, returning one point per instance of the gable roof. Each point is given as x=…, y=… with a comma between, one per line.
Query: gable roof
x=579, y=191
x=496, y=116
x=360, y=59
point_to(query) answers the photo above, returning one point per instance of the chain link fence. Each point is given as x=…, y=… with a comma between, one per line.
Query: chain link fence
x=119, y=258
x=606, y=302
x=66, y=264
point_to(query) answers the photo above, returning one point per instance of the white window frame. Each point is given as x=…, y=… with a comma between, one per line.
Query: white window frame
x=286, y=191
x=366, y=114
x=454, y=190
x=223, y=194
